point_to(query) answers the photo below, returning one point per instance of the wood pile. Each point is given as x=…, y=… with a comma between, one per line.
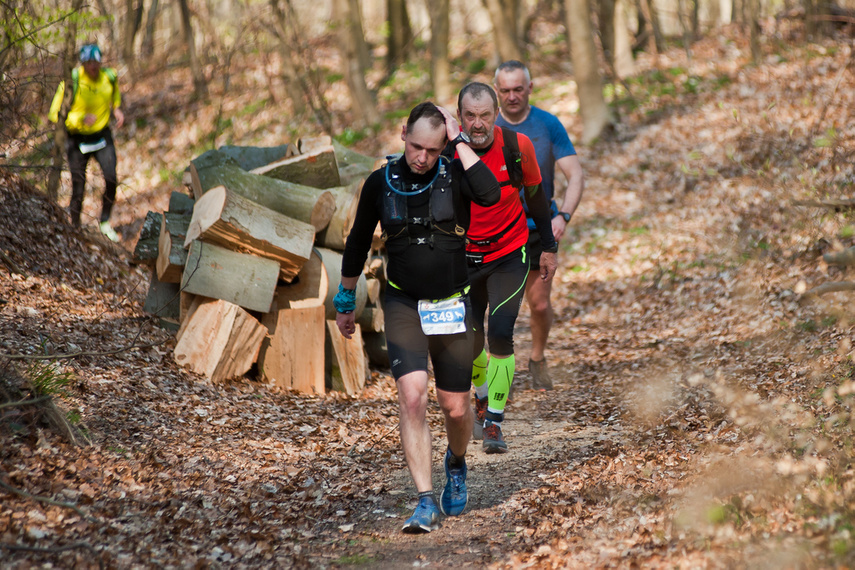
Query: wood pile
x=246, y=262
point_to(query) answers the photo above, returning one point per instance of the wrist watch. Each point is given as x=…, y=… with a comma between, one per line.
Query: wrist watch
x=553, y=249
x=566, y=217
x=461, y=138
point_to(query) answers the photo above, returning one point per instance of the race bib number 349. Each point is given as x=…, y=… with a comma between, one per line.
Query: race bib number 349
x=443, y=317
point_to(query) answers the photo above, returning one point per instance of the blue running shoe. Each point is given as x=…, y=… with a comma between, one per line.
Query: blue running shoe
x=454, y=498
x=424, y=519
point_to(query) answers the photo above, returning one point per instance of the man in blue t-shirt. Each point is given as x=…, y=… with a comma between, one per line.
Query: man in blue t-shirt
x=552, y=146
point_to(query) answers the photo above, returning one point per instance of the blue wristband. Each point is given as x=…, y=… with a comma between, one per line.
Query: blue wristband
x=345, y=300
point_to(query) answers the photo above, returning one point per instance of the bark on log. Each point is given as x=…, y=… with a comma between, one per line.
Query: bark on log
x=171, y=255
x=218, y=340
x=332, y=264
x=292, y=355
x=317, y=169
x=242, y=279
x=347, y=360
x=309, y=288
x=335, y=234
x=845, y=257
x=145, y=252
x=180, y=203
x=249, y=157
x=163, y=299
x=228, y=219
x=314, y=206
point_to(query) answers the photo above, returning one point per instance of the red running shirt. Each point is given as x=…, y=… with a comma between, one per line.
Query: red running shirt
x=490, y=221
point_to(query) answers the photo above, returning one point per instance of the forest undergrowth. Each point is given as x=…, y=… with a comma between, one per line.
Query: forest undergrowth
x=702, y=416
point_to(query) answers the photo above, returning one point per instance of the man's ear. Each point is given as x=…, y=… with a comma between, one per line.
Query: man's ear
x=404, y=133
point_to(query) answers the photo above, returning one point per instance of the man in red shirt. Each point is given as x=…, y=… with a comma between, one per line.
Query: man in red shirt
x=496, y=254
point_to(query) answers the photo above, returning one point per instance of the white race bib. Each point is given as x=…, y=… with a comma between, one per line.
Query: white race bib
x=86, y=148
x=443, y=317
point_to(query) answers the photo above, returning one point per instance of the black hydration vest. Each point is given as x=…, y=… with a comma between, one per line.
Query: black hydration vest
x=442, y=221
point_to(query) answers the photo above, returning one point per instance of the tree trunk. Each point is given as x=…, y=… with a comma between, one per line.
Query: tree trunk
x=317, y=169
x=364, y=106
x=592, y=105
x=200, y=85
x=147, y=48
x=754, y=29
x=133, y=21
x=284, y=31
x=60, y=136
x=504, y=30
x=651, y=26
x=624, y=60
x=440, y=67
x=400, y=39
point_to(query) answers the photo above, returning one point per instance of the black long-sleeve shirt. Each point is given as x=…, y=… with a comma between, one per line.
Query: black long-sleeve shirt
x=420, y=271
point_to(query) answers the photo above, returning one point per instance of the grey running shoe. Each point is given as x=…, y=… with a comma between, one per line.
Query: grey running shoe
x=424, y=519
x=493, y=440
x=540, y=374
x=478, y=424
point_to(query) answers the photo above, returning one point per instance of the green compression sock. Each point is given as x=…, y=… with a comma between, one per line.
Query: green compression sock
x=479, y=375
x=500, y=376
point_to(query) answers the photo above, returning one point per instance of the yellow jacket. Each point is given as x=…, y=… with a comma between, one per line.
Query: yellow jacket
x=93, y=96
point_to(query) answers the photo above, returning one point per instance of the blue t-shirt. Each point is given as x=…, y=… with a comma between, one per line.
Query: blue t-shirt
x=551, y=142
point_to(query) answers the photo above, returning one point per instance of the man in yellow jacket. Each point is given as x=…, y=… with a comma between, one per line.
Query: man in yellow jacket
x=95, y=97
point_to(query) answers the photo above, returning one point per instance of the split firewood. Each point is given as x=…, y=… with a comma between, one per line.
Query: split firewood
x=218, y=340
x=306, y=145
x=317, y=168
x=292, y=355
x=228, y=219
x=145, y=252
x=845, y=257
x=335, y=234
x=348, y=368
x=332, y=264
x=171, y=255
x=308, y=289
x=245, y=280
x=313, y=206
x=373, y=286
x=375, y=348
x=371, y=319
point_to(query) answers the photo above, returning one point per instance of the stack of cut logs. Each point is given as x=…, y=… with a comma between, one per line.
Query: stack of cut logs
x=246, y=266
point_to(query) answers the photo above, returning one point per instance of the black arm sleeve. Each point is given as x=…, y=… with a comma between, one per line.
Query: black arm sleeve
x=538, y=210
x=480, y=184
x=365, y=222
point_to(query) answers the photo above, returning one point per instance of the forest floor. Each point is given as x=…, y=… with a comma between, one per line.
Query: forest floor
x=701, y=416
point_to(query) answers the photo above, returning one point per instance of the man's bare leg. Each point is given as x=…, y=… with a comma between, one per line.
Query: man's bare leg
x=537, y=292
x=414, y=429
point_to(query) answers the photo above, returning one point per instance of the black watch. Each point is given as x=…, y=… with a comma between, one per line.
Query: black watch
x=566, y=217
x=553, y=249
x=461, y=138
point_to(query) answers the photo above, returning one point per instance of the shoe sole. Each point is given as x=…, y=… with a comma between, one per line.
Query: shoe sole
x=495, y=448
x=419, y=529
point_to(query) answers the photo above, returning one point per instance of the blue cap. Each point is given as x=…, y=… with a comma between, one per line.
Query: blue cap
x=90, y=52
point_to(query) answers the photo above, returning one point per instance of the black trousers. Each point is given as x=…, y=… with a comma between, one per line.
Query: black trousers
x=77, y=162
